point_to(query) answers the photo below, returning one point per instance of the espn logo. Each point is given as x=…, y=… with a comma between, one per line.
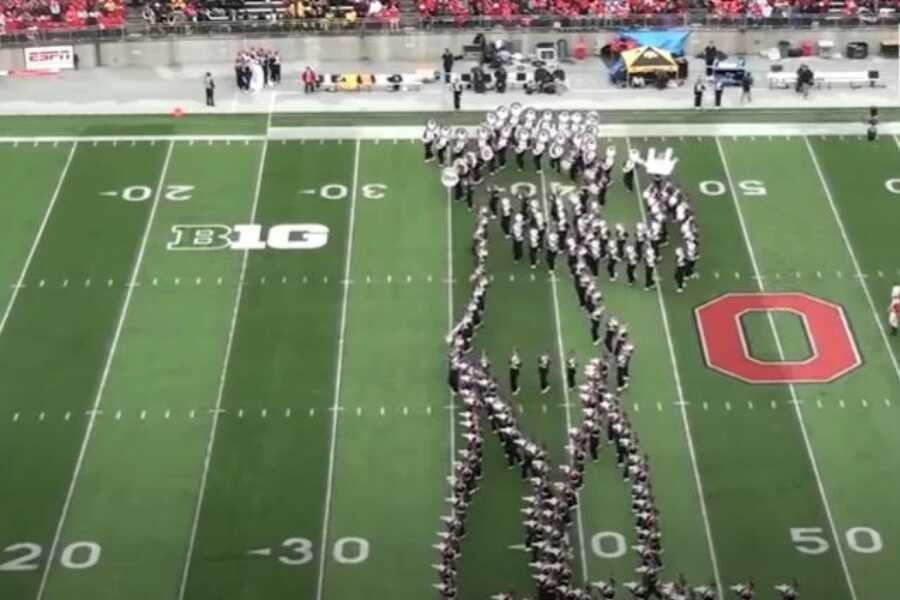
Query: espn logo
x=288, y=236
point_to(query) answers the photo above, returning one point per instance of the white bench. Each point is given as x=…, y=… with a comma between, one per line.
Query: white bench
x=855, y=79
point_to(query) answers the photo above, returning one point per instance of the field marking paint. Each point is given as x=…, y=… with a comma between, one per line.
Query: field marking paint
x=329, y=485
x=221, y=388
x=104, y=377
x=684, y=417
x=809, y=449
x=565, y=387
x=37, y=239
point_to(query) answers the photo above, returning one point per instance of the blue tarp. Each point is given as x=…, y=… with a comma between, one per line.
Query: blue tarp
x=671, y=40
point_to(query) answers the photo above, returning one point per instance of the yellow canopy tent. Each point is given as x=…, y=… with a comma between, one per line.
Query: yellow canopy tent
x=647, y=60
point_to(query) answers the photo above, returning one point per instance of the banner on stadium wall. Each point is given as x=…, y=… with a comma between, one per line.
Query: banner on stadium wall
x=50, y=57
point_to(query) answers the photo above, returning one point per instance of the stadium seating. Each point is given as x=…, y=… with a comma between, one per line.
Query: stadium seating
x=21, y=15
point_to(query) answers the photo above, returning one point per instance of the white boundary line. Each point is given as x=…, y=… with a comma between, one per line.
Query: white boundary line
x=106, y=371
x=862, y=282
x=329, y=485
x=450, y=318
x=223, y=374
x=37, y=238
x=683, y=405
x=565, y=387
x=809, y=449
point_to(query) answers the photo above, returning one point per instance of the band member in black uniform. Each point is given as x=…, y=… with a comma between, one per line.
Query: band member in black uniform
x=544, y=373
x=571, y=369
x=515, y=365
x=494, y=201
x=649, y=268
x=612, y=259
x=521, y=148
x=540, y=145
x=680, y=269
x=552, y=250
x=518, y=237
x=612, y=330
x=596, y=318
x=469, y=193
x=429, y=136
x=534, y=246
x=691, y=255
x=505, y=216
x=631, y=263
x=623, y=367
x=628, y=174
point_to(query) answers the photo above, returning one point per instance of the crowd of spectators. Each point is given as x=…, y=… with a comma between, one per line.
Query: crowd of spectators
x=522, y=11
x=315, y=13
x=29, y=15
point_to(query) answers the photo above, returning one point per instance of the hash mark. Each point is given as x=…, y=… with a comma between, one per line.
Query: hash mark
x=659, y=406
x=287, y=413
x=750, y=404
x=143, y=415
x=637, y=407
x=819, y=402
x=41, y=416
x=240, y=413
x=774, y=405
x=359, y=411
x=191, y=414
x=405, y=411
x=118, y=416
x=381, y=412
x=177, y=281
x=428, y=410
x=15, y=417
x=841, y=403
x=65, y=283
x=727, y=405
x=544, y=408
x=705, y=405
x=887, y=402
x=864, y=403
x=263, y=413
x=312, y=412
x=167, y=414
x=67, y=416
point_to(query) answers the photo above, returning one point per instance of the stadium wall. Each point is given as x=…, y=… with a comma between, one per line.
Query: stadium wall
x=418, y=47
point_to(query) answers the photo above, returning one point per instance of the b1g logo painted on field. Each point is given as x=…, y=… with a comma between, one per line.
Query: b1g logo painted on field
x=288, y=236
x=725, y=349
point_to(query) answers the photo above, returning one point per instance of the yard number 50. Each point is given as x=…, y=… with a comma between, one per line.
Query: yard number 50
x=811, y=540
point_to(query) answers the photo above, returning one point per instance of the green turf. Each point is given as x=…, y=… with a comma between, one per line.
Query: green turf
x=764, y=473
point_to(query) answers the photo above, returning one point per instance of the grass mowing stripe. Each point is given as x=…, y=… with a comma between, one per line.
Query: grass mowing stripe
x=106, y=370
x=793, y=393
x=859, y=272
x=682, y=403
x=562, y=375
x=37, y=239
x=337, y=377
x=221, y=389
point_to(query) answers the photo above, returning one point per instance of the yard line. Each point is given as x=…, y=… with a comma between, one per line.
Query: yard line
x=337, y=380
x=797, y=411
x=682, y=404
x=185, y=571
x=562, y=372
x=450, y=318
x=105, y=375
x=37, y=238
x=859, y=274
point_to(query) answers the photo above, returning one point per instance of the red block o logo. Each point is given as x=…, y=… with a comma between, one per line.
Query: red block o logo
x=834, y=351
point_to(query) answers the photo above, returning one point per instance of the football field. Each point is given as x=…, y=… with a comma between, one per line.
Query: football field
x=223, y=370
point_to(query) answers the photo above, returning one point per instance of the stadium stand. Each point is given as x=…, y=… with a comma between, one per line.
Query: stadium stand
x=29, y=15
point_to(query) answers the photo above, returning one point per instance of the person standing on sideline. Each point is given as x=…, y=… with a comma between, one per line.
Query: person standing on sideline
x=699, y=88
x=710, y=54
x=447, y=59
x=746, y=86
x=210, y=85
x=872, y=124
x=457, y=88
x=718, y=88
x=309, y=80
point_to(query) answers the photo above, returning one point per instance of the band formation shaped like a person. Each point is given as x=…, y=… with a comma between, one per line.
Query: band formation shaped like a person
x=572, y=224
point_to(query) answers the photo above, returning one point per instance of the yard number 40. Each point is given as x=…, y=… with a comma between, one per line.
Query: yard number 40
x=811, y=540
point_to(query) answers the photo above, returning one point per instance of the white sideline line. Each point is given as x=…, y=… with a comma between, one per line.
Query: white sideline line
x=859, y=273
x=450, y=318
x=565, y=387
x=105, y=375
x=337, y=380
x=683, y=405
x=37, y=239
x=812, y=458
x=221, y=389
